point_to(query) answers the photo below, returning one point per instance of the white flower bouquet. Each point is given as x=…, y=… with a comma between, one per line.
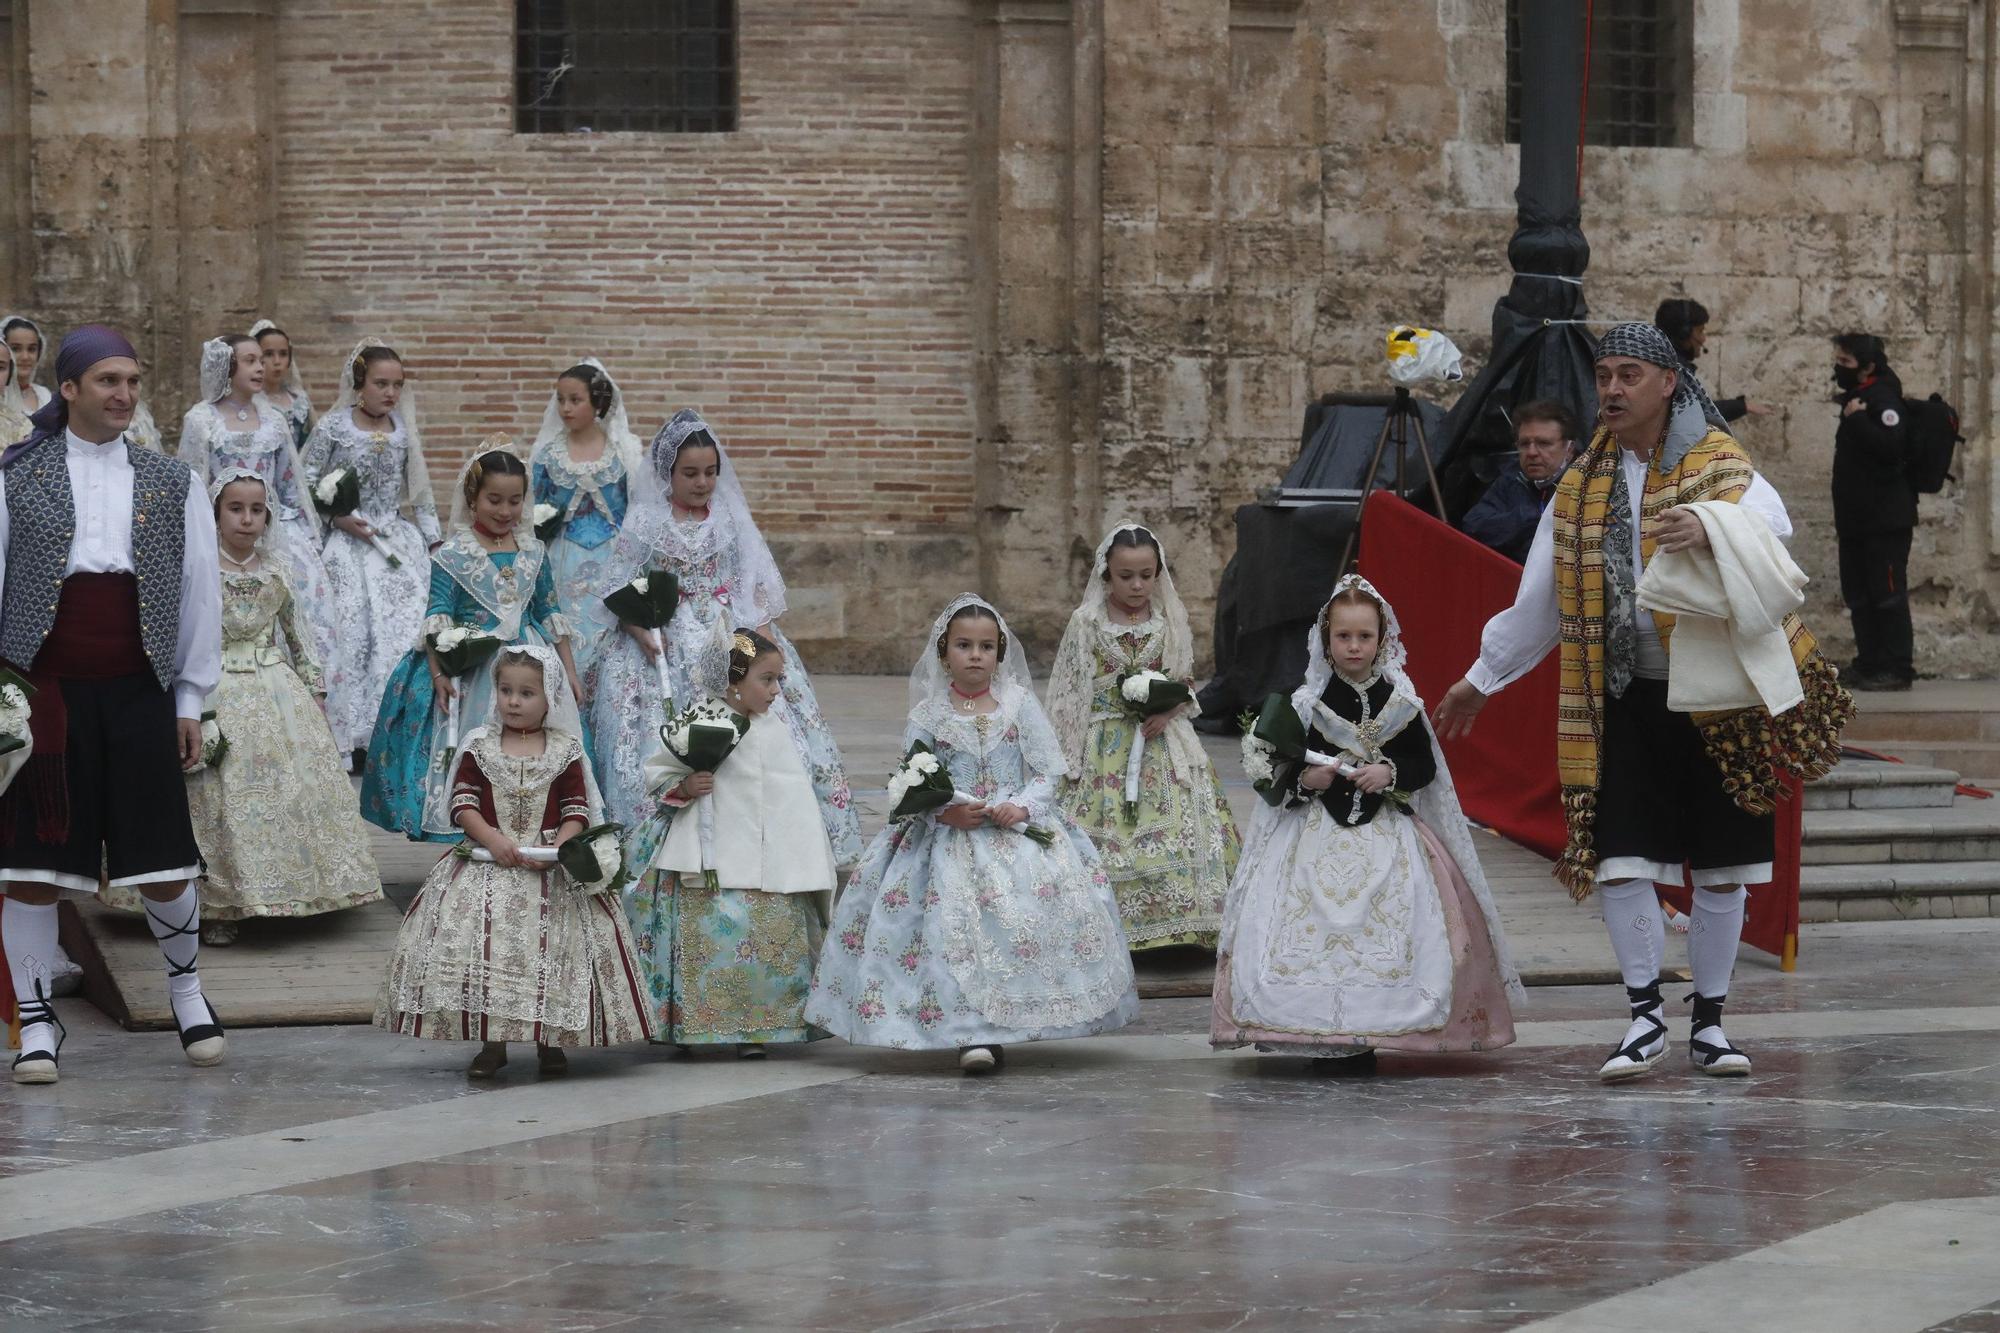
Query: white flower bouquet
x=1145, y=694
x=920, y=785
x=595, y=859
x=698, y=739
x=17, y=740
x=649, y=601
x=548, y=521
x=338, y=495
x=1273, y=738
x=214, y=745
x=459, y=649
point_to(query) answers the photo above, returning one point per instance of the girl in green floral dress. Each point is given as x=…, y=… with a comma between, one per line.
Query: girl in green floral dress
x=1169, y=854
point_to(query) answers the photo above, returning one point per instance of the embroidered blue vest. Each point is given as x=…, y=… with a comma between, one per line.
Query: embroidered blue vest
x=41, y=527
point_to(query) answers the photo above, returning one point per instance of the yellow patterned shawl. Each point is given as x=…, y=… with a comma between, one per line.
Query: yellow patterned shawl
x=1749, y=746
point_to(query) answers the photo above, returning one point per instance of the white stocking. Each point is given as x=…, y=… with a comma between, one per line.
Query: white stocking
x=30, y=931
x=1715, y=927
x=177, y=926
x=1638, y=928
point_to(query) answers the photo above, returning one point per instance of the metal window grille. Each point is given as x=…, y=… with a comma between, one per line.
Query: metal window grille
x=1641, y=74
x=665, y=66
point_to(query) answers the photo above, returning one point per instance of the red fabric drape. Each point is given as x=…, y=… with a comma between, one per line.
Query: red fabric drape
x=1444, y=586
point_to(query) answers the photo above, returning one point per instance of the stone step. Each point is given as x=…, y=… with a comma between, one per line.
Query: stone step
x=1966, y=831
x=1872, y=784
x=1899, y=891
x=1874, y=727
x=1961, y=756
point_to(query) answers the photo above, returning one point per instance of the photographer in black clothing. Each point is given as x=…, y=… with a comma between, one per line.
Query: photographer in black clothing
x=1874, y=511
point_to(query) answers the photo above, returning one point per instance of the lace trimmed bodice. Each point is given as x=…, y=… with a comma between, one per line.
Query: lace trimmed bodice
x=520, y=783
x=260, y=625
x=379, y=460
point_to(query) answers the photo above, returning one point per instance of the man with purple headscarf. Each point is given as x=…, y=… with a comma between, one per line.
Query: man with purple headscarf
x=111, y=609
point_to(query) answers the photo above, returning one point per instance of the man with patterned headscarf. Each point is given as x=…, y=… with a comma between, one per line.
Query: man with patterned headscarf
x=1648, y=792
x=111, y=609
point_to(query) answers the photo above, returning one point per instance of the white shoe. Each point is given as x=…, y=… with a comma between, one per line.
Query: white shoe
x=977, y=1060
x=35, y=1067
x=1710, y=1052
x=1645, y=1045
x=1708, y=1047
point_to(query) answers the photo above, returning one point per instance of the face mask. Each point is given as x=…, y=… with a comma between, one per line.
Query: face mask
x=1847, y=377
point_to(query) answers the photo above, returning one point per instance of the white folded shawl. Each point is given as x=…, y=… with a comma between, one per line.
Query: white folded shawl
x=1729, y=648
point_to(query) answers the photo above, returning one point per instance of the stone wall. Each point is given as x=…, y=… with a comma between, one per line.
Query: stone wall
x=976, y=278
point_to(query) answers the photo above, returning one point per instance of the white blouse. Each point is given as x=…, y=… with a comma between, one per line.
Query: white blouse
x=100, y=483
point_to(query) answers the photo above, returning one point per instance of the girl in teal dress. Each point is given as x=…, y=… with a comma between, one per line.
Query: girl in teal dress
x=490, y=575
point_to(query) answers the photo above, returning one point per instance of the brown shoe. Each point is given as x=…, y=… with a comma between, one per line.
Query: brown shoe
x=491, y=1059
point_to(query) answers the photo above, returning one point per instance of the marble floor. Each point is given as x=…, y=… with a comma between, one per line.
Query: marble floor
x=342, y=1178
x=339, y=1178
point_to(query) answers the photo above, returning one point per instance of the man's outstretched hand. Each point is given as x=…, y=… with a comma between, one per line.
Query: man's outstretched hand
x=1457, y=711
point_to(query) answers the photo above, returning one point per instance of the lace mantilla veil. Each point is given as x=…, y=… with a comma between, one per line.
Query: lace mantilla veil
x=1437, y=802
x=294, y=382
x=1071, y=681
x=461, y=509
x=649, y=534
x=215, y=488
x=416, y=474
x=618, y=436
x=1013, y=687
x=563, y=714
x=218, y=360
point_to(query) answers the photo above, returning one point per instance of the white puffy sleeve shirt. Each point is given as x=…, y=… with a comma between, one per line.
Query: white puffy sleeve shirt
x=100, y=482
x=1517, y=639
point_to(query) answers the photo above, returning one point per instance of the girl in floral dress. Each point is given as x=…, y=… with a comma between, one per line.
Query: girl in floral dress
x=732, y=962
x=378, y=605
x=504, y=948
x=283, y=384
x=584, y=459
x=1359, y=918
x=275, y=818
x=1170, y=861
x=235, y=425
x=957, y=930
x=492, y=576
x=689, y=516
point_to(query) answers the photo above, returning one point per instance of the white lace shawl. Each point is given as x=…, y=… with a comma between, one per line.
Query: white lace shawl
x=651, y=535
x=1436, y=803
x=1073, y=681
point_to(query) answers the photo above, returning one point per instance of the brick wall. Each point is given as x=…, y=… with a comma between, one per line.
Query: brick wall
x=802, y=281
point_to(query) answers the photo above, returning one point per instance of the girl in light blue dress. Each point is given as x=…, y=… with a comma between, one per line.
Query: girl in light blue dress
x=689, y=516
x=490, y=575
x=584, y=460
x=957, y=930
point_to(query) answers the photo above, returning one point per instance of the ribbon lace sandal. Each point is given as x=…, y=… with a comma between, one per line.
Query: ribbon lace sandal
x=33, y=1064
x=1645, y=1043
x=1708, y=1046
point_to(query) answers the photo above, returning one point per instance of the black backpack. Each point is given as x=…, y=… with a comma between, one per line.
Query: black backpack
x=1932, y=438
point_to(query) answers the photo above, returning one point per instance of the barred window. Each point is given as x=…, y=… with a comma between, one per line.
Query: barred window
x=1641, y=74
x=667, y=66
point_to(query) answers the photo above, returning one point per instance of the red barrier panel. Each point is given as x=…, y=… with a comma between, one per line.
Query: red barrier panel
x=1445, y=586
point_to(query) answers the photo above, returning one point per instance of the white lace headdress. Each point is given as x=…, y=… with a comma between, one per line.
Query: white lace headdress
x=416, y=474
x=759, y=595
x=461, y=509
x=201, y=430
x=223, y=478
x=563, y=714
x=618, y=436
x=294, y=382
x=217, y=368
x=1071, y=681
x=1436, y=803
x=10, y=394
x=1013, y=687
